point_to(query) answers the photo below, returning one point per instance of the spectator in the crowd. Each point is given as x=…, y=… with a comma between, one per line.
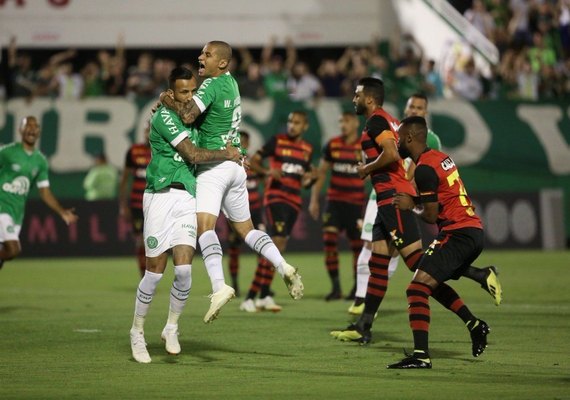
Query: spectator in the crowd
x=331, y=74
x=101, y=181
x=140, y=81
x=302, y=84
x=249, y=78
x=433, y=84
x=92, y=82
x=161, y=72
x=539, y=54
x=527, y=81
x=275, y=71
x=564, y=25
x=466, y=82
x=481, y=19
x=519, y=24
x=22, y=76
x=69, y=82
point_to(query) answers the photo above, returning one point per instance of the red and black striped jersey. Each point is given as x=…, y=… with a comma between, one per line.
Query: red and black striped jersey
x=253, y=190
x=392, y=178
x=438, y=181
x=345, y=184
x=293, y=158
x=137, y=159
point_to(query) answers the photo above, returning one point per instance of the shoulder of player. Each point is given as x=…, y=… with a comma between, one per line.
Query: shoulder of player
x=436, y=159
x=164, y=116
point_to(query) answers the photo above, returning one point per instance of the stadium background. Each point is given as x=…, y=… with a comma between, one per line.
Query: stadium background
x=514, y=154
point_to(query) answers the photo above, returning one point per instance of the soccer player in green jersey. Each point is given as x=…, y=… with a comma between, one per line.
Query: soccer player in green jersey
x=216, y=112
x=169, y=208
x=21, y=166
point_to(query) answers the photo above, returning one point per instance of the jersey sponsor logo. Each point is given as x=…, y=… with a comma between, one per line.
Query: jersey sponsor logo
x=167, y=119
x=151, y=242
x=20, y=186
x=178, y=157
x=345, y=168
x=447, y=164
x=290, y=168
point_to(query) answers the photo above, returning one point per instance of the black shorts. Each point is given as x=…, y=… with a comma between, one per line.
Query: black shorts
x=137, y=220
x=281, y=218
x=398, y=227
x=452, y=252
x=344, y=217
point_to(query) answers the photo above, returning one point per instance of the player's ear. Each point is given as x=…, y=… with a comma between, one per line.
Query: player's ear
x=223, y=64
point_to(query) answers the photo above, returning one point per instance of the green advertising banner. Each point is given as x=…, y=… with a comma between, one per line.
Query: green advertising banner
x=500, y=146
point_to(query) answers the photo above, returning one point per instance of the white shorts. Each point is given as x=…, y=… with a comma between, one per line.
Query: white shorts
x=9, y=231
x=369, y=218
x=169, y=220
x=223, y=186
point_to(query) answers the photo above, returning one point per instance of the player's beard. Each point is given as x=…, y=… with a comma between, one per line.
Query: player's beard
x=404, y=153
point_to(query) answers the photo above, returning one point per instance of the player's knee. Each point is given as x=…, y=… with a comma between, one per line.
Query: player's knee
x=11, y=251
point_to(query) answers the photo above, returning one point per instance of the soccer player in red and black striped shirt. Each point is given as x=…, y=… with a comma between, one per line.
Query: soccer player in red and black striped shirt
x=130, y=202
x=344, y=199
x=393, y=228
x=460, y=240
x=256, y=210
x=289, y=171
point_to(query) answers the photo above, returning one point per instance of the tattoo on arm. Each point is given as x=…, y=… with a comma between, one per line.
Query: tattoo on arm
x=195, y=155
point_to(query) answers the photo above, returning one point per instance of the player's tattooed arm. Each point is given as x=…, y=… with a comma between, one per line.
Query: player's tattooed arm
x=188, y=112
x=196, y=155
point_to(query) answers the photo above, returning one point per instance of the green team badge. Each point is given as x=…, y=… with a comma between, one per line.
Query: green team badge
x=368, y=227
x=151, y=242
x=10, y=229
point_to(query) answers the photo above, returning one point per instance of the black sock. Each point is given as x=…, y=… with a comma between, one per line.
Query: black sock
x=477, y=274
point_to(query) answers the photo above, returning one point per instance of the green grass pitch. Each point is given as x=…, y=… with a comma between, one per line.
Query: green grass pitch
x=64, y=327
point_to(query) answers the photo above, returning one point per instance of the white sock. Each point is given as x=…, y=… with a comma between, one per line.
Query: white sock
x=212, y=255
x=261, y=243
x=179, y=292
x=393, y=265
x=145, y=291
x=362, y=272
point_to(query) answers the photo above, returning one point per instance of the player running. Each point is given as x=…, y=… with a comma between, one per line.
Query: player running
x=460, y=241
x=21, y=166
x=216, y=112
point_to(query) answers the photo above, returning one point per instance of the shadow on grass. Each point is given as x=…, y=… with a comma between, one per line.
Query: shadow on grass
x=205, y=351
x=11, y=309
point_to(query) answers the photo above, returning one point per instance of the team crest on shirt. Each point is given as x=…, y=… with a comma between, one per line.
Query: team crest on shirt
x=16, y=167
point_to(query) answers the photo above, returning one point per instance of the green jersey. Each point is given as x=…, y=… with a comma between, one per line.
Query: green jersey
x=19, y=170
x=433, y=141
x=166, y=165
x=220, y=103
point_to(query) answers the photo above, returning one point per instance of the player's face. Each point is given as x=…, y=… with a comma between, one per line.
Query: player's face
x=296, y=125
x=359, y=100
x=30, y=131
x=348, y=125
x=416, y=107
x=210, y=62
x=184, y=89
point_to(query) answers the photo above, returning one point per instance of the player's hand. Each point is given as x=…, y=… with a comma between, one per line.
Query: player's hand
x=360, y=169
x=233, y=153
x=314, y=210
x=69, y=216
x=245, y=163
x=275, y=174
x=167, y=99
x=403, y=201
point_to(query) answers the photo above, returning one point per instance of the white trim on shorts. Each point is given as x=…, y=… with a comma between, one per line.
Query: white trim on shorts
x=9, y=231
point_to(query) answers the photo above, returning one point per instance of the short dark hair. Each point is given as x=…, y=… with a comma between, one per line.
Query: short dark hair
x=419, y=124
x=302, y=114
x=224, y=50
x=373, y=87
x=179, y=73
x=419, y=95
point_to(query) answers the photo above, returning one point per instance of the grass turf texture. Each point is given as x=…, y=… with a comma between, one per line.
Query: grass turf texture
x=64, y=327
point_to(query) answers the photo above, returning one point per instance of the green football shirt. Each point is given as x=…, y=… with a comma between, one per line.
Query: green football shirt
x=220, y=103
x=19, y=170
x=166, y=165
